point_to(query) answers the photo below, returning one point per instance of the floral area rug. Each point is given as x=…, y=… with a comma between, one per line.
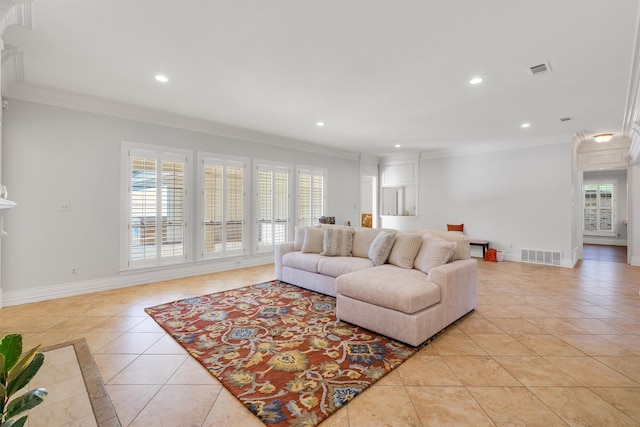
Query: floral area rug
x=280, y=350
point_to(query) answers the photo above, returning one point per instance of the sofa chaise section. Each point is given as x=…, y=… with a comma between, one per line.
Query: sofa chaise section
x=407, y=305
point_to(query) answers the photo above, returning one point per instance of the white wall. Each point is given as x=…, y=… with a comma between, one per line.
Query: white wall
x=54, y=155
x=517, y=198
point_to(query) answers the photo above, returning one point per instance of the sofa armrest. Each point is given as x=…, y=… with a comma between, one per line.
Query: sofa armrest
x=280, y=250
x=458, y=287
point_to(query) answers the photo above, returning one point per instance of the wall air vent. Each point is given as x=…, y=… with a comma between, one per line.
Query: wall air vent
x=566, y=119
x=537, y=256
x=540, y=69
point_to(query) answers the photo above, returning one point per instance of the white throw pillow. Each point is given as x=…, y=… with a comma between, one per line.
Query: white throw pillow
x=298, y=240
x=337, y=241
x=433, y=253
x=405, y=249
x=381, y=247
x=312, y=240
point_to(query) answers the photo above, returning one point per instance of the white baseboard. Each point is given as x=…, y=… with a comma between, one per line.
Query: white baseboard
x=635, y=261
x=130, y=278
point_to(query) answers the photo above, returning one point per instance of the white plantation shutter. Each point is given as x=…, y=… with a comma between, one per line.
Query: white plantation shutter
x=311, y=196
x=272, y=205
x=235, y=207
x=223, y=207
x=156, y=207
x=599, y=205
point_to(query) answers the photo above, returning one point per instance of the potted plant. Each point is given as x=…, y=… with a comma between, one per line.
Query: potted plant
x=16, y=370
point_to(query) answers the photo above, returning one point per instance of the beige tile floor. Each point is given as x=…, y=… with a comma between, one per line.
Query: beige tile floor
x=546, y=346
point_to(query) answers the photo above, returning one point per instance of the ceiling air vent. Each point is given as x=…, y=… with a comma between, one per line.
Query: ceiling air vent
x=565, y=119
x=540, y=69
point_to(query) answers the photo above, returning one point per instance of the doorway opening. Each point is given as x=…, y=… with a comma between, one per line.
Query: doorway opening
x=604, y=215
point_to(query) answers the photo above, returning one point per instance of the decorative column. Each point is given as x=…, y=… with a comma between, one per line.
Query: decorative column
x=633, y=182
x=11, y=12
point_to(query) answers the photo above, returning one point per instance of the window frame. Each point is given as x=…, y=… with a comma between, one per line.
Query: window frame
x=313, y=171
x=159, y=153
x=204, y=159
x=274, y=167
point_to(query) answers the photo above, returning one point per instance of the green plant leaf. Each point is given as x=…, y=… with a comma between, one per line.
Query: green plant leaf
x=15, y=422
x=22, y=363
x=23, y=377
x=3, y=391
x=27, y=401
x=11, y=349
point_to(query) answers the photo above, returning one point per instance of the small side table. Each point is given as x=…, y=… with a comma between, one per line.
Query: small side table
x=478, y=242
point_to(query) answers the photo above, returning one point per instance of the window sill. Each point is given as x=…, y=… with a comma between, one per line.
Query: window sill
x=599, y=234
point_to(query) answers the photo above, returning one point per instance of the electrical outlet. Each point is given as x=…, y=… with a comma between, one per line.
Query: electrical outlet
x=64, y=207
x=74, y=271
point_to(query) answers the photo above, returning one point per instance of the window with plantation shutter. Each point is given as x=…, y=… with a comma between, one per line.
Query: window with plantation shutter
x=272, y=205
x=223, y=208
x=156, y=208
x=311, y=196
x=599, y=199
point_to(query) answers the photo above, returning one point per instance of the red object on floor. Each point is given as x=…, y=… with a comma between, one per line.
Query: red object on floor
x=491, y=255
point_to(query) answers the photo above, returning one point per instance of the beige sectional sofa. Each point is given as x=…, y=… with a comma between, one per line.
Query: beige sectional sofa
x=406, y=285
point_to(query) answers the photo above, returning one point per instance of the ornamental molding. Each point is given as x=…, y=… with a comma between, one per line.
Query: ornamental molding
x=16, y=12
x=634, y=149
x=12, y=67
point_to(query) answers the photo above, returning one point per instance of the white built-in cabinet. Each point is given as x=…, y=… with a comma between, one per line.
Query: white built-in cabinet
x=399, y=187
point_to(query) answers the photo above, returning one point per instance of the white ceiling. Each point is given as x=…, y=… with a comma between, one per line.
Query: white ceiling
x=377, y=72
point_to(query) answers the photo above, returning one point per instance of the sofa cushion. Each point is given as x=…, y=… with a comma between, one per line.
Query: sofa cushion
x=362, y=239
x=312, y=240
x=337, y=241
x=381, y=247
x=462, y=250
x=298, y=240
x=433, y=252
x=302, y=261
x=389, y=286
x=336, y=266
x=405, y=249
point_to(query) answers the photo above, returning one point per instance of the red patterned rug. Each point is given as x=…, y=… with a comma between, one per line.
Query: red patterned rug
x=280, y=349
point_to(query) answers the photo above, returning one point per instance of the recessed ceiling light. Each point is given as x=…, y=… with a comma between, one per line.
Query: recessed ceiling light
x=319, y=124
x=162, y=78
x=525, y=125
x=475, y=80
x=397, y=145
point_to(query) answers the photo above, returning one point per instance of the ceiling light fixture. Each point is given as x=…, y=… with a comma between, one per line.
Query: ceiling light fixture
x=525, y=125
x=397, y=145
x=319, y=124
x=475, y=80
x=603, y=137
x=162, y=78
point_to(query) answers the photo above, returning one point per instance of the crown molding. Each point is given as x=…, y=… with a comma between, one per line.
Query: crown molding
x=16, y=12
x=96, y=105
x=498, y=146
